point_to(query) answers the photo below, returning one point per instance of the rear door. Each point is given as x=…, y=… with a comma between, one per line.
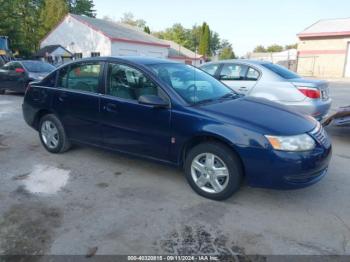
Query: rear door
x=127, y=125
x=77, y=100
x=239, y=77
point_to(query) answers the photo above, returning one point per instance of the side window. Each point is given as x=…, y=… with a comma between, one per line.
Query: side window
x=62, y=77
x=252, y=74
x=128, y=83
x=50, y=80
x=233, y=72
x=210, y=69
x=82, y=77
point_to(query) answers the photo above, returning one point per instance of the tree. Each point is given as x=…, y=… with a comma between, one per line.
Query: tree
x=274, y=48
x=292, y=46
x=128, y=18
x=214, y=42
x=190, y=38
x=52, y=12
x=176, y=33
x=259, y=49
x=82, y=7
x=226, y=51
x=204, y=41
x=19, y=21
x=147, y=30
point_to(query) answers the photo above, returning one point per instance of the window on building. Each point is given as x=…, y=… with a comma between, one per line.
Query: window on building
x=78, y=55
x=95, y=54
x=128, y=83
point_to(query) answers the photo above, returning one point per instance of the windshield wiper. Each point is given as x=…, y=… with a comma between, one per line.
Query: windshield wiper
x=229, y=95
x=204, y=101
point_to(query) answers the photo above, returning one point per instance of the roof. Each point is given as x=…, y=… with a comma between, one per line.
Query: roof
x=142, y=60
x=328, y=27
x=178, y=51
x=119, y=31
x=243, y=61
x=48, y=50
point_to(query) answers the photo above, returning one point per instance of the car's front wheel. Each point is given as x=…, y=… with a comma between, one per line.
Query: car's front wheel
x=213, y=170
x=52, y=134
x=2, y=91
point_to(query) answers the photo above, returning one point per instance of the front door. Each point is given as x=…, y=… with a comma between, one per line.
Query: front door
x=241, y=78
x=127, y=125
x=77, y=100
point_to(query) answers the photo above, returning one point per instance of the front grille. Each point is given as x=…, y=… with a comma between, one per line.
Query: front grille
x=320, y=135
x=306, y=177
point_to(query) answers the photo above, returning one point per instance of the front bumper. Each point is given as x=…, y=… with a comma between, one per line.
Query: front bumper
x=287, y=170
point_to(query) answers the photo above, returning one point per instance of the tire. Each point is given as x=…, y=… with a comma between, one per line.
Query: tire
x=226, y=164
x=60, y=143
x=2, y=91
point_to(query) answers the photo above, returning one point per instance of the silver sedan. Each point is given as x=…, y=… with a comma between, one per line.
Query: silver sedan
x=273, y=82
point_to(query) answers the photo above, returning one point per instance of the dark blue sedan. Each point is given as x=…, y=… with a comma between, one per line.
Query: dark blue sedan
x=177, y=114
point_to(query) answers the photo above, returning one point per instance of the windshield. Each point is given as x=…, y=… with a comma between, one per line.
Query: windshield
x=192, y=84
x=281, y=71
x=38, y=67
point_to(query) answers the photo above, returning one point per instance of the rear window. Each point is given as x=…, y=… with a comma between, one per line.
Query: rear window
x=38, y=67
x=281, y=71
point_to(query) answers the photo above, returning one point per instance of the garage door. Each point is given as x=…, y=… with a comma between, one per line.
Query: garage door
x=125, y=52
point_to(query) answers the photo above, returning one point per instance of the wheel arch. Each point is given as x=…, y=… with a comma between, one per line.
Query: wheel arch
x=39, y=115
x=207, y=137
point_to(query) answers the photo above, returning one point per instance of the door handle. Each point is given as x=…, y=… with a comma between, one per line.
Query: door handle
x=111, y=108
x=243, y=88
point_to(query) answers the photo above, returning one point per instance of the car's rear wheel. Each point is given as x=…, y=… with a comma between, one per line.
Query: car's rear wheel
x=213, y=170
x=52, y=134
x=2, y=91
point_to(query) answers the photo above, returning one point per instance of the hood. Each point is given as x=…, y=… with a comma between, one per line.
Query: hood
x=261, y=115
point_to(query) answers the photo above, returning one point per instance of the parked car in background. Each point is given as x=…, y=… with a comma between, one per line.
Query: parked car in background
x=273, y=82
x=340, y=118
x=16, y=75
x=177, y=114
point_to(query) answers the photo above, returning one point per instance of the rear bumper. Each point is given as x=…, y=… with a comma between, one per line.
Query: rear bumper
x=316, y=108
x=28, y=115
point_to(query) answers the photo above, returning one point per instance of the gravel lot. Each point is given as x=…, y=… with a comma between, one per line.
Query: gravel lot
x=87, y=197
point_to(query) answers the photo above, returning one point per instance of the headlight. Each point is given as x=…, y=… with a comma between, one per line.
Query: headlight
x=292, y=143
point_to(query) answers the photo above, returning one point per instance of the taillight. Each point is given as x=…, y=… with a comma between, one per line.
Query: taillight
x=310, y=92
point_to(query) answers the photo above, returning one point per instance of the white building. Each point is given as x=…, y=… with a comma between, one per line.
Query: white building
x=179, y=53
x=85, y=37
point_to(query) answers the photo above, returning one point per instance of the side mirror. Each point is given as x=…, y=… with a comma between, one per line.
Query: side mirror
x=19, y=70
x=153, y=100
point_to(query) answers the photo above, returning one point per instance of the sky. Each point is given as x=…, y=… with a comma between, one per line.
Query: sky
x=245, y=23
